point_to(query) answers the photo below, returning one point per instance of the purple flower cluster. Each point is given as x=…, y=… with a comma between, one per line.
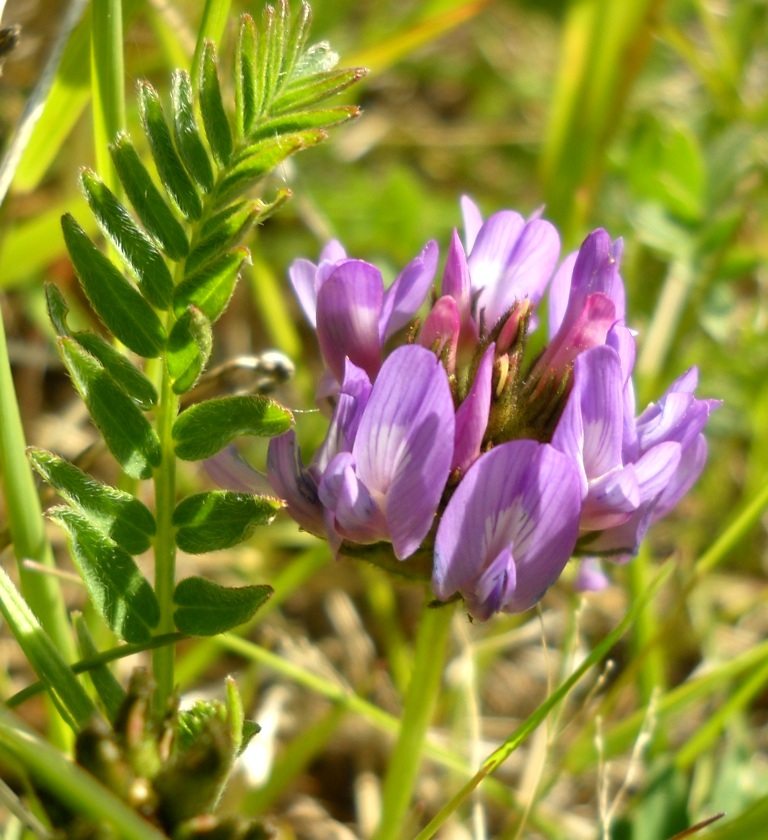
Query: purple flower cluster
x=453, y=443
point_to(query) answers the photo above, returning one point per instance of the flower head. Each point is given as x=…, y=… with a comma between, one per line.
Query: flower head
x=447, y=441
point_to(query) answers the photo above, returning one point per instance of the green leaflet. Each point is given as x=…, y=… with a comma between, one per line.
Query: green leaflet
x=206, y=428
x=305, y=120
x=245, y=76
x=127, y=432
x=187, y=133
x=116, y=514
x=220, y=519
x=169, y=166
x=215, y=120
x=128, y=377
x=117, y=588
x=124, y=311
x=311, y=90
x=207, y=609
x=189, y=347
x=210, y=288
x=135, y=247
x=150, y=206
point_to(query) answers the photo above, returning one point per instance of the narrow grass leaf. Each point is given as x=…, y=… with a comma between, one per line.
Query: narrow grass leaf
x=127, y=432
x=117, y=588
x=210, y=288
x=187, y=133
x=206, y=428
x=150, y=206
x=189, y=347
x=312, y=90
x=108, y=689
x=135, y=247
x=215, y=120
x=245, y=76
x=124, y=311
x=66, y=692
x=207, y=609
x=220, y=519
x=116, y=514
x=169, y=166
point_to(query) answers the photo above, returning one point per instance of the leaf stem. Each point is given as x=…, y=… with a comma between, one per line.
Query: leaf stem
x=423, y=690
x=165, y=543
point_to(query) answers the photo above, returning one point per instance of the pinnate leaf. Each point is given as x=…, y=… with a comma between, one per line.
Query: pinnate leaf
x=220, y=519
x=311, y=90
x=206, y=609
x=126, y=431
x=206, y=428
x=116, y=586
x=116, y=514
x=124, y=311
x=135, y=247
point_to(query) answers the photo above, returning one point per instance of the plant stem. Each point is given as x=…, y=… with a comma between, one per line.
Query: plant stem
x=429, y=660
x=165, y=543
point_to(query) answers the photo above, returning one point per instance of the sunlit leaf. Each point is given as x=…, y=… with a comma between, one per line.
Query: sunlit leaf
x=205, y=609
x=189, y=347
x=210, y=288
x=215, y=119
x=187, y=133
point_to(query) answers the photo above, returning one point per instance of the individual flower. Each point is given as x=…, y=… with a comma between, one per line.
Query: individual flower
x=382, y=471
x=509, y=529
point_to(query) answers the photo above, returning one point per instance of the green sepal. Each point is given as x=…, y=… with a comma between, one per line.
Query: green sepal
x=262, y=158
x=220, y=519
x=207, y=609
x=108, y=689
x=241, y=729
x=126, y=431
x=245, y=76
x=127, y=376
x=210, y=288
x=135, y=247
x=114, y=582
x=169, y=166
x=189, y=348
x=207, y=427
x=215, y=120
x=116, y=514
x=150, y=206
x=300, y=121
x=187, y=133
x=311, y=90
x=124, y=311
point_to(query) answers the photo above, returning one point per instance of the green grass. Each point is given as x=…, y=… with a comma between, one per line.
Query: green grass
x=649, y=122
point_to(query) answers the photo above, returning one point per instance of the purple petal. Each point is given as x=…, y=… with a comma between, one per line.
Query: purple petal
x=523, y=496
x=473, y=221
x=526, y=270
x=590, y=576
x=293, y=483
x=490, y=253
x=349, y=406
x=356, y=514
x=404, y=443
x=232, y=472
x=494, y=588
x=559, y=292
x=404, y=297
x=472, y=415
x=307, y=278
x=348, y=309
